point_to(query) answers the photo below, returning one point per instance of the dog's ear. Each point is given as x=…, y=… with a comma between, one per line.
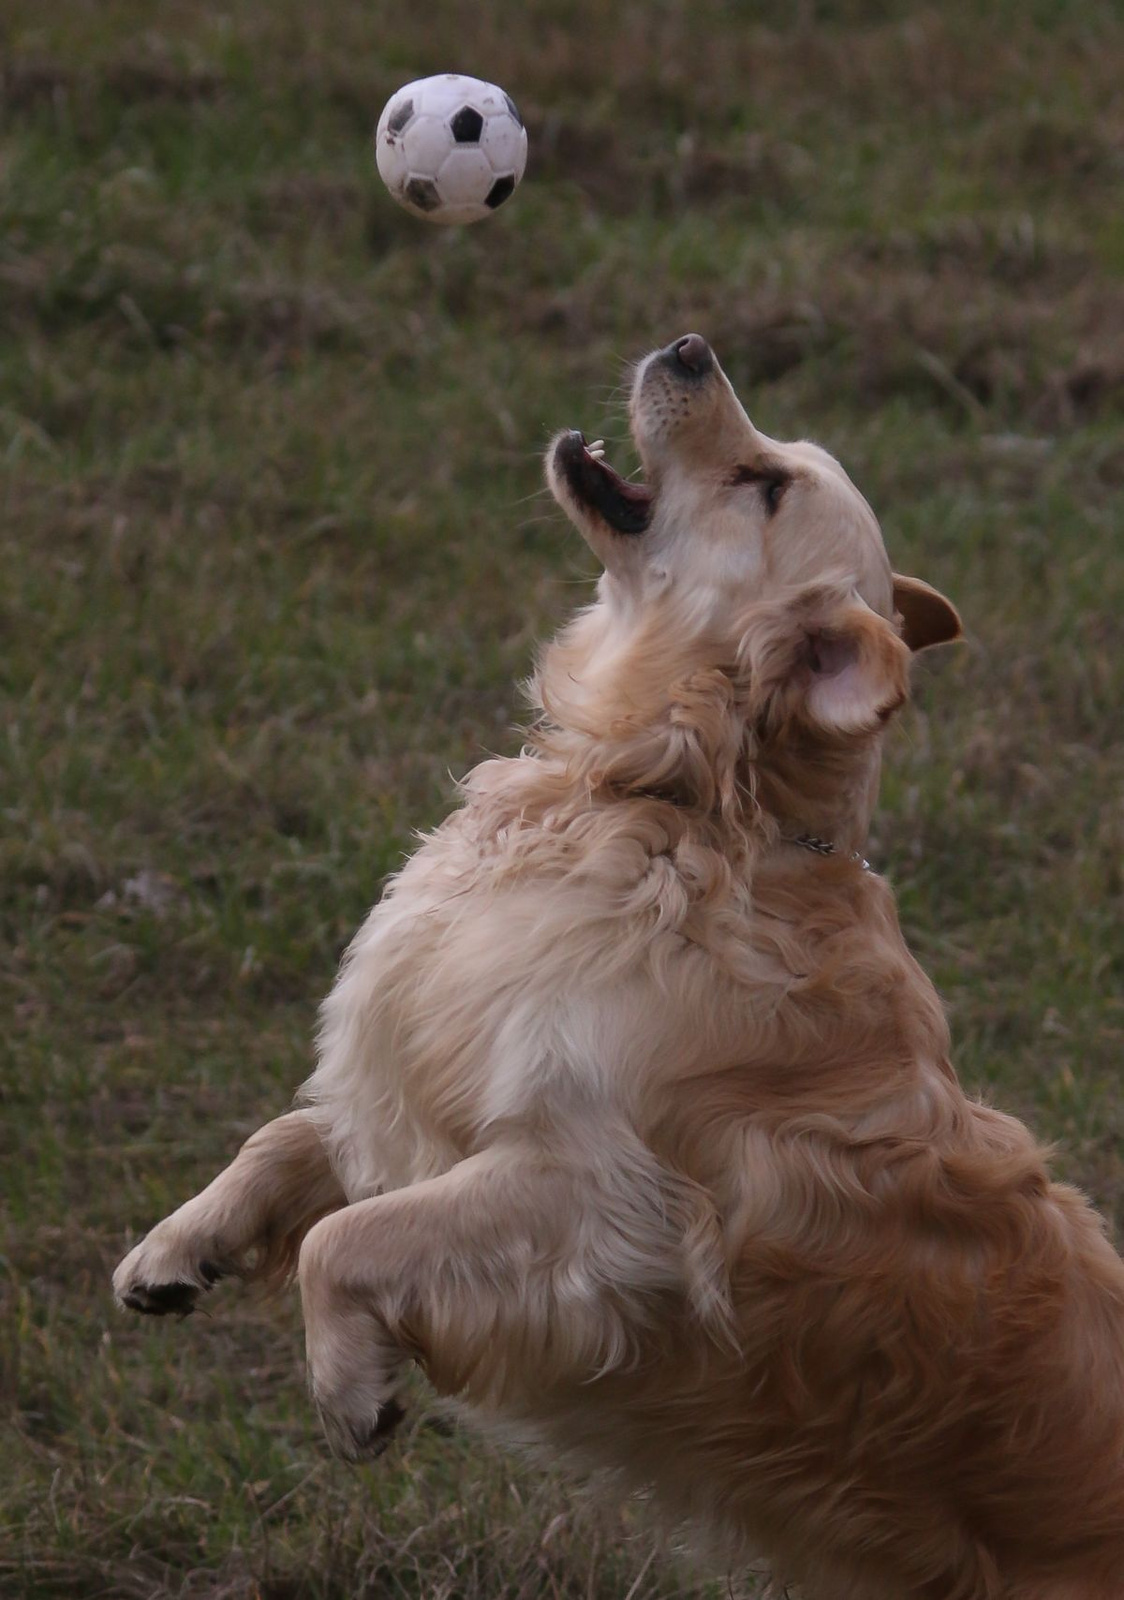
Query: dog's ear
x=926, y=616
x=823, y=659
x=854, y=669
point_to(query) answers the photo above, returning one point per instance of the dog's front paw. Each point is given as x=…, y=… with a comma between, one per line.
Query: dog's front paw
x=164, y=1276
x=355, y=1362
x=354, y=1376
x=359, y=1435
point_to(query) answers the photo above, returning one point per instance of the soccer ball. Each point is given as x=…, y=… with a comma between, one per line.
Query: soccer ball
x=451, y=148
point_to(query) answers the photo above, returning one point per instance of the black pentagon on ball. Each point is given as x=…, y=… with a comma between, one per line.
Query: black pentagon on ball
x=400, y=116
x=467, y=125
x=514, y=109
x=501, y=190
x=422, y=192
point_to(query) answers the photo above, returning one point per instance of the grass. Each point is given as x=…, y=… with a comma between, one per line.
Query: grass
x=274, y=558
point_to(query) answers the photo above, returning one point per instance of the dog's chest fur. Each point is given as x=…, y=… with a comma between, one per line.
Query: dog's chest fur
x=491, y=985
x=566, y=976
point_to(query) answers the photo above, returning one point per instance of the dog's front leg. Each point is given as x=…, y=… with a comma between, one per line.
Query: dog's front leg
x=507, y=1275
x=247, y=1223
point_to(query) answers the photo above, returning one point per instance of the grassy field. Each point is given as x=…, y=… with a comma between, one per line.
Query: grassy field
x=274, y=555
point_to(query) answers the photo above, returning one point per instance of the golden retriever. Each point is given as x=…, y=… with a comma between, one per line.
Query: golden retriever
x=634, y=1121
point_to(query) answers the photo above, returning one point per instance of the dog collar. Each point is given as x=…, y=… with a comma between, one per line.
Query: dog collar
x=825, y=847
x=806, y=841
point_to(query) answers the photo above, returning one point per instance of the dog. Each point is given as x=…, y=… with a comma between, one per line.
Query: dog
x=633, y=1121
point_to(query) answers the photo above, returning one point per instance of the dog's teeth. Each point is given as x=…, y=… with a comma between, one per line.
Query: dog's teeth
x=598, y=444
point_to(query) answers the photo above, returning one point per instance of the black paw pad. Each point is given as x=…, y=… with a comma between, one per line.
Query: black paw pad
x=378, y=1435
x=162, y=1299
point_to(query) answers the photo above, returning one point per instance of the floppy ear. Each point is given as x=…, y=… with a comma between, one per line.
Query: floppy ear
x=927, y=617
x=823, y=658
x=854, y=669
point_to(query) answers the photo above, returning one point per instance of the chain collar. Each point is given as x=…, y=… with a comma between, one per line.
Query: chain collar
x=825, y=847
x=806, y=841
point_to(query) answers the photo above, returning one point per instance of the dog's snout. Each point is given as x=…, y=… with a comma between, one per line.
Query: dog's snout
x=690, y=354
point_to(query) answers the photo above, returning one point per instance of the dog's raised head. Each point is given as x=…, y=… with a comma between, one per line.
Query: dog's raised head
x=747, y=596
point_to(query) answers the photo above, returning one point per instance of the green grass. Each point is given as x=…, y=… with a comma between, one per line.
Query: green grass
x=274, y=557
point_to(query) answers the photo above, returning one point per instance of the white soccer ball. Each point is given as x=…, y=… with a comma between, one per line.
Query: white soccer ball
x=451, y=148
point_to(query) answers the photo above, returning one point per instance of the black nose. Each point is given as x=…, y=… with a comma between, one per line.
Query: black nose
x=691, y=353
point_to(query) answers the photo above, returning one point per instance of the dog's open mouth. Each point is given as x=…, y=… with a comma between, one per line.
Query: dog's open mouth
x=626, y=507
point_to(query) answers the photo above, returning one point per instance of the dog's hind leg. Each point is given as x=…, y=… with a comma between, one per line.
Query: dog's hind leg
x=247, y=1223
x=505, y=1275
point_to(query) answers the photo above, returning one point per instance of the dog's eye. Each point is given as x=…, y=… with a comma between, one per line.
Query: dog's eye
x=771, y=482
x=771, y=491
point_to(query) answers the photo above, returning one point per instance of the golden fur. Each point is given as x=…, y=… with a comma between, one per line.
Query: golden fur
x=634, y=1121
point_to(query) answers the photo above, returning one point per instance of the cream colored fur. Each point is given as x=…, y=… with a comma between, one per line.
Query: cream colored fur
x=634, y=1121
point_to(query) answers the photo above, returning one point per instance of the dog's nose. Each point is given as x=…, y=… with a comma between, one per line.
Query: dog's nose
x=693, y=353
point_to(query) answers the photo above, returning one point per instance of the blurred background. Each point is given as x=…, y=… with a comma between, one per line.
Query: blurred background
x=275, y=556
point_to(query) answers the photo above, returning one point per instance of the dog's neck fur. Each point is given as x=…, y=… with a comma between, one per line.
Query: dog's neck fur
x=838, y=806
x=644, y=725
x=744, y=809
x=670, y=708
x=779, y=811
